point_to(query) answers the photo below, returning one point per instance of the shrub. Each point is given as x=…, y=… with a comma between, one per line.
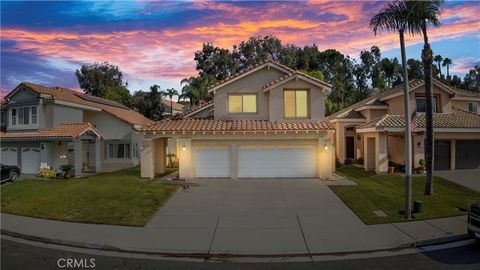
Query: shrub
x=337, y=163
x=46, y=172
x=360, y=160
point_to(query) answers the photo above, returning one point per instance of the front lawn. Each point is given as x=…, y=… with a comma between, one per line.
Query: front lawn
x=120, y=198
x=386, y=192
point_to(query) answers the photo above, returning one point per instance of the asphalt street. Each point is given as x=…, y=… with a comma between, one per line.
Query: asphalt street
x=16, y=255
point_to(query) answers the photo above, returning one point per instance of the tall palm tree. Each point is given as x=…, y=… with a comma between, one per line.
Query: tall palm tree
x=424, y=13
x=394, y=17
x=170, y=93
x=447, y=62
x=438, y=59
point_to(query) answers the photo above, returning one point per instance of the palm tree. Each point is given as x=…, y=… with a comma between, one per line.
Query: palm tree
x=447, y=62
x=423, y=13
x=438, y=58
x=195, y=89
x=170, y=93
x=394, y=17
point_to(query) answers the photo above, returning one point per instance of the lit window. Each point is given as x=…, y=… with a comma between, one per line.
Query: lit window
x=420, y=104
x=473, y=107
x=118, y=150
x=242, y=103
x=295, y=103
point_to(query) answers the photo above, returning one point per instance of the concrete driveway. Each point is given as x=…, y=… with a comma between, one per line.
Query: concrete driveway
x=269, y=217
x=468, y=178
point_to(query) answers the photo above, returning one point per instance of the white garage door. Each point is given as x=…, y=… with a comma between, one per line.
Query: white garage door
x=264, y=161
x=9, y=156
x=211, y=161
x=30, y=160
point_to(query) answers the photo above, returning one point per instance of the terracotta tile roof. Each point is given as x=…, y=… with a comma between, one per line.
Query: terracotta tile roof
x=352, y=114
x=115, y=109
x=466, y=93
x=176, y=106
x=249, y=69
x=293, y=74
x=189, y=124
x=202, y=105
x=457, y=119
x=66, y=130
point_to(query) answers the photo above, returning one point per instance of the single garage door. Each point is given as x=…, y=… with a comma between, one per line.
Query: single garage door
x=441, y=155
x=271, y=161
x=211, y=161
x=9, y=156
x=467, y=154
x=30, y=160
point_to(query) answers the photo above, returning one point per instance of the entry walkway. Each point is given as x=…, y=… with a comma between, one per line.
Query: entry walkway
x=244, y=217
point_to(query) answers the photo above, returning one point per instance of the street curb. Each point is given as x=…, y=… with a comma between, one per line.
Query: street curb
x=443, y=240
x=219, y=256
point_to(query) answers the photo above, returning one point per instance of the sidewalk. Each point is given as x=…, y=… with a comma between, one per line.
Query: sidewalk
x=187, y=240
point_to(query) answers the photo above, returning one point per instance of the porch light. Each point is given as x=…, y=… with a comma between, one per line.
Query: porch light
x=184, y=147
x=325, y=146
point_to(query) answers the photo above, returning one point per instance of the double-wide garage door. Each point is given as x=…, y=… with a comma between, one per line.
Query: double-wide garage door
x=467, y=154
x=256, y=161
x=29, y=158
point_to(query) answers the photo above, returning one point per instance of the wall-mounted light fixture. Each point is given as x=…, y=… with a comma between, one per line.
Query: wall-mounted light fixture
x=325, y=146
x=420, y=144
x=184, y=147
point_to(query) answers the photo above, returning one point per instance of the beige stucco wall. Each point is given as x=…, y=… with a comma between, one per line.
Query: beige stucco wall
x=396, y=148
x=149, y=151
x=251, y=83
x=375, y=143
x=372, y=114
x=395, y=105
x=463, y=104
x=316, y=99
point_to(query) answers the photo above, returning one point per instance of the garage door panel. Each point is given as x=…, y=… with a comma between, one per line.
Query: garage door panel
x=9, y=156
x=211, y=162
x=30, y=158
x=280, y=162
x=467, y=154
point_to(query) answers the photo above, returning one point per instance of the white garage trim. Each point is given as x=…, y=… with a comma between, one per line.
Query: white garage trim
x=30, y=160
x=211, y=161
x=272, y=161
x=9, y=156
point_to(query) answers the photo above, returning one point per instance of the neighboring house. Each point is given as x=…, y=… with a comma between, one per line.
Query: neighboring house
x=373, y=129
x=43, y=126
x=264, y=122
x=177, y=107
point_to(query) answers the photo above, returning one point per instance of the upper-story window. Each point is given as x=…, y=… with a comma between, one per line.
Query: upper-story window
x=24, y=116
x=420, y=104
x=473, y=107
x=3, y=118
x=242, y=103
x=295, y=103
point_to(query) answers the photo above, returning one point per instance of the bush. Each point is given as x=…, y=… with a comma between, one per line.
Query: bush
x=46, y=172
x=337, y=163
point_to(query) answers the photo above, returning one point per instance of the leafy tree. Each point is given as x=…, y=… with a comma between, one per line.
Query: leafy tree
x=215, y=62
x=472, y=79
x=147, y=103
x=415, y=69
x=95, y=78
x=258, y=49
x=119, y=94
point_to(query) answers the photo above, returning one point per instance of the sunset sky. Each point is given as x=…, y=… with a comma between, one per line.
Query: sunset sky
x=154, y=42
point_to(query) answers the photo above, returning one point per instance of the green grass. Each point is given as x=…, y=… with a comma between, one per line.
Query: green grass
x=387, y=192
x=120, y=198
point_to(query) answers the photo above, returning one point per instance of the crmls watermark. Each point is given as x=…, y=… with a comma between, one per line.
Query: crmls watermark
x=76, y=263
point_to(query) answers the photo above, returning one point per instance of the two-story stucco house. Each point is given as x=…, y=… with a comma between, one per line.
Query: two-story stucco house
x=43, y=126
x=373, y=129
x=265, y=122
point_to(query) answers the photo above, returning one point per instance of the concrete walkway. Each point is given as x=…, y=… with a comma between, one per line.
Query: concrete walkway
x=245, y=217
x=467, y=178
